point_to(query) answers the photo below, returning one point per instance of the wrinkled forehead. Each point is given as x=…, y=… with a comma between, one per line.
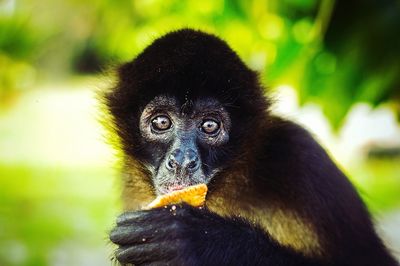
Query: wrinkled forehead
x=185, y=106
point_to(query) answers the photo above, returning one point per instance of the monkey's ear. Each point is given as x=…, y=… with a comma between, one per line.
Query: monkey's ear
x=193, y=195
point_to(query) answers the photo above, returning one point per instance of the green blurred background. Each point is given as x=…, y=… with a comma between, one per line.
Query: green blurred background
x=333, y=66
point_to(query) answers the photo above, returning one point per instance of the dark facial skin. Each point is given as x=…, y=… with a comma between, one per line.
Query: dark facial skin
x=186, y=134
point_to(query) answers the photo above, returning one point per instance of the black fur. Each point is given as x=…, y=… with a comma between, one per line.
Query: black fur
x=270, y=166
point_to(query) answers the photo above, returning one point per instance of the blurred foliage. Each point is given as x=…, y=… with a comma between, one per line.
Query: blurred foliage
x=378, y=183
x=334, y=53
x=360, y=62
x=46, y=215
x=58, y=197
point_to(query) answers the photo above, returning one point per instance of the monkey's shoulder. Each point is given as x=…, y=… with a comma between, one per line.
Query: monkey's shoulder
x=286, y=140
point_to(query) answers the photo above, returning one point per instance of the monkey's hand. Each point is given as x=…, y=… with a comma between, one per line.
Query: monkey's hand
x=182, y=235
x=185, y=235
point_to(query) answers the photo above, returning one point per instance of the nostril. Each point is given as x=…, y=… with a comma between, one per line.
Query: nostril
x=170, y=164
x=174, y=160
x=193, y=164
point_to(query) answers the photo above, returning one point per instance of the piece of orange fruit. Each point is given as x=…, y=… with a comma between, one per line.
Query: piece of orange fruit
x=193, y=195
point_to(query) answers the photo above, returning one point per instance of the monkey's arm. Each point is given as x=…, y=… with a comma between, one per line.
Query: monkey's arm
x=191, y=236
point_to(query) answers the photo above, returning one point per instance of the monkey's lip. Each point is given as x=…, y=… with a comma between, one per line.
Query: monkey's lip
x=176, y=187
x=172, y=188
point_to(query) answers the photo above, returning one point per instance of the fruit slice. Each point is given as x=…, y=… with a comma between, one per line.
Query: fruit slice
x=193, y=195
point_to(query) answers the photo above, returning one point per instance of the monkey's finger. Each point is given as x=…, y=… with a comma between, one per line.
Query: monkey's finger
x=123, y=235
x=127, y=217
x=145, y=254
x=160, y=263
x=140, y=216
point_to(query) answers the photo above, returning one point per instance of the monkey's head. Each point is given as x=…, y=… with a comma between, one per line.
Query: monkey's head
x=184, y=108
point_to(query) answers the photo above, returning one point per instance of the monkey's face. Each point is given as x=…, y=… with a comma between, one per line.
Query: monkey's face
x=183, y=143
x=185, y=108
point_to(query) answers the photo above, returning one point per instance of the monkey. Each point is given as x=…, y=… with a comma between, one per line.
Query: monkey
x=187, y=110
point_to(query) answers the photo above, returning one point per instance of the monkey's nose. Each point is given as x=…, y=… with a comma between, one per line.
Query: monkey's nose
x=187, y=160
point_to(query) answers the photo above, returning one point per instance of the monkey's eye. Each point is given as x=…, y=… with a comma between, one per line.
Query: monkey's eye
x=161, y=123
x=210, y=126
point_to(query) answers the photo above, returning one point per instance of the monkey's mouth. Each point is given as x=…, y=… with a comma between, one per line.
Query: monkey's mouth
x=165, y=182
x=175, y=187
x=168, y=187
x=171, y=188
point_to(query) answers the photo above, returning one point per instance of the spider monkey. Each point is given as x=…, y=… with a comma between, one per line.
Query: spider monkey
x=187, y=111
